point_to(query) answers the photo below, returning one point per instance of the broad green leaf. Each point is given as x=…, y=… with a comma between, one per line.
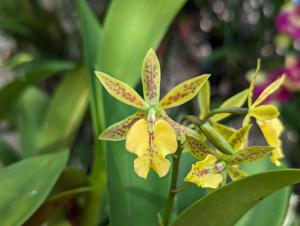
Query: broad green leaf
x=53, y=204
x=29, y=112
x=65, y=112
x=272, y=88
x=264, y=112
x=235, y=101
x=121, y=91
x=204, y=99
x=28, y=74
x=270, y=211
x=228, y=204
x=183, y=92
x=7, y=153
x=25, y=185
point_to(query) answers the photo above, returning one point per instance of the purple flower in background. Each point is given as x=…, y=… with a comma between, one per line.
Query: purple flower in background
x=288, y=22
x=292, y=83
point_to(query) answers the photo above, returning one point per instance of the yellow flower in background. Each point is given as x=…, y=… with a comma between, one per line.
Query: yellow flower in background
x=150, y=133
x=266, y=116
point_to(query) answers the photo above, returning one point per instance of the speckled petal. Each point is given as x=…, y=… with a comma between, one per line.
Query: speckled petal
x=151, y=78
x=198, y=148
x=119, y=130
x=235, y=173
x=204, y=174
x=183, y=92
x=238, y=139
x=180, y=130
x=151, y=146
x=249, y=154
x=121, y=91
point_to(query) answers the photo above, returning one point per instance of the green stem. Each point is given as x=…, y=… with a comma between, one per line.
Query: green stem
x=198, y=122
x=170, y=201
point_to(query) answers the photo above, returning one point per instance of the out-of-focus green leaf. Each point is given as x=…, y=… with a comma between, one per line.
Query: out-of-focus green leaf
x=26, y=184
x=227, y=205
x=7, y=153
x=131, y=28
x=65, y=112
x=28, y=74
x=91, y=31
x=53, y=204
x=29, y=112
x=273, y=209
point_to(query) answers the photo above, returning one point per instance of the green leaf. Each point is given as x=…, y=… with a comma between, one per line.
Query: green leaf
x=25, y=185
x=7, y=153
x=53, y=204
x=270, y=211
x=91, y=31
x=28, y=74
x=29, y=114
x=228, y=204
x=65, y=112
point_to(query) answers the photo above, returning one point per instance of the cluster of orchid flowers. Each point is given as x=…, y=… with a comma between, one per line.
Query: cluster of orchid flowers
x=220, y=150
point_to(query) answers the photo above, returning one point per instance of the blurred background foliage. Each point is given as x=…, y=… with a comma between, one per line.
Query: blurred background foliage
x=50, y=100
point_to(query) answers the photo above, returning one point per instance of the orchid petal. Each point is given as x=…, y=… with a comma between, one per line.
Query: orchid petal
x=183, y=92
x=151, y=146
x=264, y=112
x=238, y=139
x=204, y=174
x=197, y=147
x=252, y=83
x=235, y=173
x=273, y=87
x=121, y=91
x=204, y=99
x=119, y=130
x=249, y=154
x=151, y=78
x=181, y=131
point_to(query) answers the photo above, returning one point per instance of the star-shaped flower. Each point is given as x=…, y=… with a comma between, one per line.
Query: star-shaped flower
x=150, y=133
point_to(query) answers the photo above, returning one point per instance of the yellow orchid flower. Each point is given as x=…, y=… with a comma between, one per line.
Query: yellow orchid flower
x=207, y=172
x=266, y=116
x=150, y=133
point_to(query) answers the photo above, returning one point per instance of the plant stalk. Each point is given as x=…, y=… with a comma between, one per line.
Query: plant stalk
x=171, y=196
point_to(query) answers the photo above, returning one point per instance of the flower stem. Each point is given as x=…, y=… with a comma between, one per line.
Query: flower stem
x=199, y=122
x=170, y=201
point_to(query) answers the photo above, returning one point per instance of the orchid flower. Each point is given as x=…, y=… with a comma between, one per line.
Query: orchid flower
x=288, y=22
x=150, y=133
x=209, y=171
x=266, y=116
